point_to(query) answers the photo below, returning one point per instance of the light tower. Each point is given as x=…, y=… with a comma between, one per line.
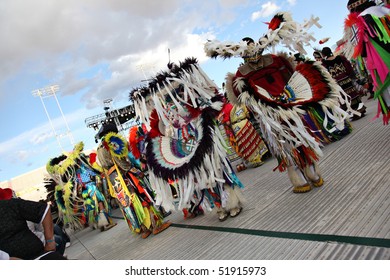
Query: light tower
x=50, y=91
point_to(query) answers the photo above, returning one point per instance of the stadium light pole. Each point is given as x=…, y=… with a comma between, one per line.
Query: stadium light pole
x=50, y=91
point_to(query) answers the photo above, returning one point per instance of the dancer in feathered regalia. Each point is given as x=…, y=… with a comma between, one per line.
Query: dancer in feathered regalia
x=139, y=172
x=242, y=136
x=341, y=69
x=315, y=116
x=367, y=35
x=135, y=202
x=179, y=109
x=137, y=138
x=279, y=96
x=78, y=199
x=137, y=156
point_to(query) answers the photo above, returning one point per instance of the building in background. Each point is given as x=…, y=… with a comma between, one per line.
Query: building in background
x=28, y=186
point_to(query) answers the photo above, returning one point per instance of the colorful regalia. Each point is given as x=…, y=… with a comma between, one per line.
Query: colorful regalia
x=137, y=137
x=184, y=150
x=314, y=119
x=78, y=199
x=136, y=204
x=137, y=156
x=342, y=71
x=367, y=36
x=280, y=97
x=243, y=137
x=231, y=153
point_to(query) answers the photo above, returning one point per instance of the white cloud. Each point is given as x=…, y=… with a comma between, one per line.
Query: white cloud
x=41, y=138
x=232, y=3
x=93, y=50
x=128, y=71
x=267, y=9
x=63, y=41
x=292, y=2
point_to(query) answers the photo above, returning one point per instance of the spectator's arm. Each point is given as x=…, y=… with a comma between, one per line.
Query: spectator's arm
x=48, y=231
x=4, y=255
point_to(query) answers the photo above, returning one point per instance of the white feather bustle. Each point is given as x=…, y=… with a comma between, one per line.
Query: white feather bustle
x=207, y=176
x=290, y=34
x=283, y=128
x=225, y=48
x=349, y=45
x=195, y=83
x=197, y=90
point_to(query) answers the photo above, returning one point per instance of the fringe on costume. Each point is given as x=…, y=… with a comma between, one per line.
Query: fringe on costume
x=135, y=200
x=373, y=43
x=76, y=208
x=282, y=123
x=184, y=98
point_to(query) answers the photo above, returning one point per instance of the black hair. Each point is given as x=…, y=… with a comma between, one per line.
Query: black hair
x=109, y=127
x=326, y=52
x=317, y=54
x=248, y=40
x=299, y=57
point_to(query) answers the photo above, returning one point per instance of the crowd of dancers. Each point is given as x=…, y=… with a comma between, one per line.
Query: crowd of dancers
x=276, y=104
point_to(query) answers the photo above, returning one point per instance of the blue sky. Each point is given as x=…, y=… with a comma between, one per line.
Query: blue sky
x=95, y=49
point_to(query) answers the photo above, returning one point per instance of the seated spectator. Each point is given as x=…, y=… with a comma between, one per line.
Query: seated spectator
x=59, y=238
x=60, y=235
x=16, y=239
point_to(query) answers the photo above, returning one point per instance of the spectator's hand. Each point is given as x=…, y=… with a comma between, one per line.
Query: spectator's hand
x=50, y=246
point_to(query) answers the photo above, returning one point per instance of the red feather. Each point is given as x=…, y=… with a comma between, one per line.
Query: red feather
x=324, y=40
x=355, y=19
x=105, y=145
x=194, y=112
x=133, y=142
x=154, y=120
x=275, y=23
x=92, y=158
x=316, y=81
